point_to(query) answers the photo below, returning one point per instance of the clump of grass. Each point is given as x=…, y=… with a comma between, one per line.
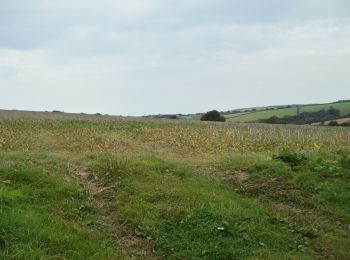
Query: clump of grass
x=309, y=232
x=112, y=167
x=116, y=166
x=292, y=157
x=344, y=158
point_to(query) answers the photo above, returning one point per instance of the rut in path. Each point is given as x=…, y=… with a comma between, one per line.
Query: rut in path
x=125, y=237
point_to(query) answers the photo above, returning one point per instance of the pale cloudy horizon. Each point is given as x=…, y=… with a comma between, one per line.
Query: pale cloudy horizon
x=165, y=57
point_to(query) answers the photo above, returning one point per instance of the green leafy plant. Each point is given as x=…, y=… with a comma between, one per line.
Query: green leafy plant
x=291, y=157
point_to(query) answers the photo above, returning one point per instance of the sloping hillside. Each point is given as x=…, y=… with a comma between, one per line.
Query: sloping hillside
x=12, y=114
x=344, y=108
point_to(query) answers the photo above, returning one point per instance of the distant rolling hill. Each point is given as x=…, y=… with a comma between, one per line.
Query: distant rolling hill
x=343, y=107
x=18, y=114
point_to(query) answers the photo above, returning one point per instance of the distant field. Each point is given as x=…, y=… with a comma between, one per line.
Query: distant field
x=340, y=121
x=12, y=114
x=343, y=107
x=236, y=115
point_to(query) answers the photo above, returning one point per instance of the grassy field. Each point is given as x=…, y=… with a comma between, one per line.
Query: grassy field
x=340, y=121
x=19, y=114
x=148, y=189
x=253, y=116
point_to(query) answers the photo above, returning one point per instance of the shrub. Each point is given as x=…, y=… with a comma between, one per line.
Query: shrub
x=292, y=157
x=213, y=116
x=172, y=117
x=333, y=123
x=334, y=112
x=273, y=120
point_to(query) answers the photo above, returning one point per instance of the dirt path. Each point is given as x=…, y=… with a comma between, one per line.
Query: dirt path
x=125, y=237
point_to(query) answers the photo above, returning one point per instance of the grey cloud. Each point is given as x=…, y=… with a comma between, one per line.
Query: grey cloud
x=157, y=56
x=37, y=23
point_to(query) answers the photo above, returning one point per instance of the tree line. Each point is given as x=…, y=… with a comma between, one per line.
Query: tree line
x=305, y=117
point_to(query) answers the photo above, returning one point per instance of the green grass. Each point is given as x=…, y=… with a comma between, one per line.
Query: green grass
x=253, y=116
x=189, y=216
x=173, y=190
x=324, y=177
x=316, y=186
x=42, y=215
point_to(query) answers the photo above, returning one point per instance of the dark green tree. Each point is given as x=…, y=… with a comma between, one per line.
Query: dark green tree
x=333, y=123
x=213, y=115
x=333, y=112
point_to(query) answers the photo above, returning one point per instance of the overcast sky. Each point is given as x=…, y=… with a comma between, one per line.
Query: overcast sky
x=135, y=57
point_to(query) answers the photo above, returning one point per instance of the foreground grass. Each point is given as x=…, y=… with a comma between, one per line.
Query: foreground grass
x=189, y=216
x=309, y=192
x=151, y=189
x=42, y=215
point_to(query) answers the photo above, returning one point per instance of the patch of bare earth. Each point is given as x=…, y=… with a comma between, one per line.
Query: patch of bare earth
x=236, y=179
x=134, y=245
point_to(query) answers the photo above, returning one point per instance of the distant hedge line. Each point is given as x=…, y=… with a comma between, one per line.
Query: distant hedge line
x=305, y=117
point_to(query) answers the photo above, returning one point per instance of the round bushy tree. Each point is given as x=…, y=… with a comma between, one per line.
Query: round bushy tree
x=333, y=123
x=213, y=115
